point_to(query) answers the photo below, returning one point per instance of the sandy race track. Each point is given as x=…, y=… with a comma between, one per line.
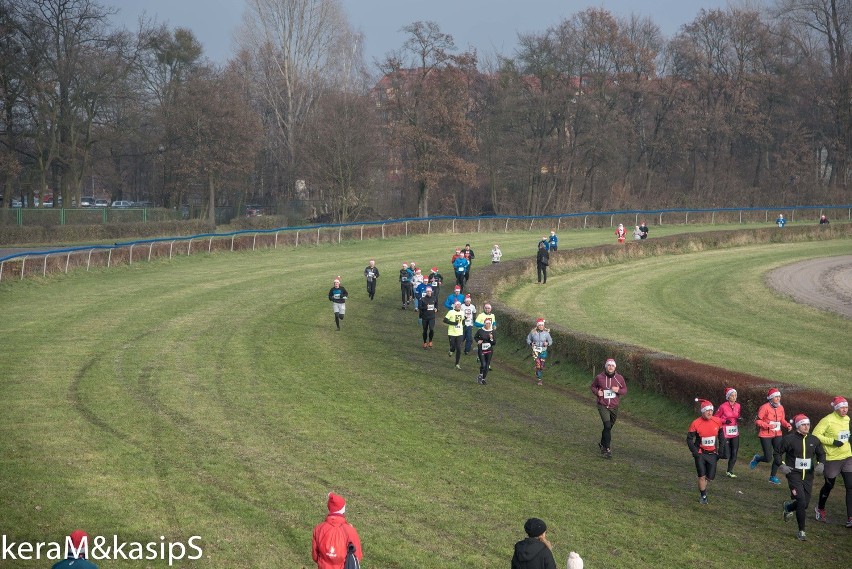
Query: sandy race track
x=824, y=283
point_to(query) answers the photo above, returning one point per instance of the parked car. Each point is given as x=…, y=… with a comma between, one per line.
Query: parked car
x=143, y=204
x=101, y=203
x=16, y=202
x=87, y=201
x=122, y=204
x=254, y=210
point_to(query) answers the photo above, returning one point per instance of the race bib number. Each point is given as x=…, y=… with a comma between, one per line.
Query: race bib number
x=337, y=296
x=538, y=349
x=803, y=464
x=843, y=436
x=430, y=308
x=708, y=441
x=774, y=425
x=732, y=430
x=486, y=345
x=609, y=394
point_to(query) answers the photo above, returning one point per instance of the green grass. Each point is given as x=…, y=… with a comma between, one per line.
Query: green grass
x=211, y=396
x=713, y=307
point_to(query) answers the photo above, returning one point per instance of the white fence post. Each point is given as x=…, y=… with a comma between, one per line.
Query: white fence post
x=297, y=238
x=109, y=258
x=67, y=261
x=362, y=233
x=339, y=231
x=585, y=221
x=318, y=231
x=150, y=250
x=661, y=218
x=172, y=245
x=189, y=249
x=232, y=242
x=131, y=253
x=275, y=246
x=89, y=260
x=383, y=231
x=406, y=227
x=429, y=228
x=478, y=223
x=44, y=268
x=2, y=263
x=23, y=267
x=253, y=241
x=611, y=221
x=507, y=225
x=454, y=225
x=687, y=219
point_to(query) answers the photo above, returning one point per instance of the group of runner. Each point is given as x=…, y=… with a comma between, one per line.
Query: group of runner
x=790, y=448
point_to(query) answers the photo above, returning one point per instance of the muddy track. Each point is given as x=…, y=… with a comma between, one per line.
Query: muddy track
x=824, y=283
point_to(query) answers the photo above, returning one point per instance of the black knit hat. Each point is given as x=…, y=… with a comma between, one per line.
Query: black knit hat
x=535, y=527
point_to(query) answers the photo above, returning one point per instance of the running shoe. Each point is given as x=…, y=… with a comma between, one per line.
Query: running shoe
x=753, y=464
x=459, y=367
x=430, y=344
x=425, y=345
x=608, y=454
x=820, y=515
x=800, y=535
x=785, y=507
x=730, y=475
x=774, y=480
x=849, y=522
x=703, y=500
x=450, y=353
x=539, y=383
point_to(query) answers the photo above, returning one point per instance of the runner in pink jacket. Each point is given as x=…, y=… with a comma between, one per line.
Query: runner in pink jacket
x=729, y=413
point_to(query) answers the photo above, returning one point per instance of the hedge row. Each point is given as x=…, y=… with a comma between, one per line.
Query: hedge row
x=14, y=234
x=677, y=378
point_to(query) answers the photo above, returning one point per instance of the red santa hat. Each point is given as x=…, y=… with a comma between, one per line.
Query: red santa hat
x=610, y=361
x=539, y=321
x=467, y=297
x=405, y=265
x=434, y=269
x=704, y=405
x=730, y=391
x=801, y=419
x=839, y=402
x=77, y=536
x=457, y=288
x=773, y=393
x=336, y=504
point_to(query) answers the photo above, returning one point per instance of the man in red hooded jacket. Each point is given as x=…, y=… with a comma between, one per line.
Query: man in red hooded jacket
x=332, y=537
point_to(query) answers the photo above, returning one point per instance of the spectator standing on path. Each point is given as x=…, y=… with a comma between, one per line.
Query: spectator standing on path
x=534, y=552
x=469, y=311
x=460, y=266
x=540, y=341
x=436, y=279
x=833, y=432
x=454, y=319
x=702, y=440
x=553, y=242
x=337, y=295
x=644, y=229
x=637, y=234
x=823, y=220
x=542, y=260
x=468, y=254
x=608, y=386
x=371, y=273
x=332, y=537
x=803, y=456
x=780, y=221
x=620, y=233
x=729, y=446
x=496, y=253
x=428, y=312
x=485, y=342
x=770, y=421
x=76, y=554
x=545, y=241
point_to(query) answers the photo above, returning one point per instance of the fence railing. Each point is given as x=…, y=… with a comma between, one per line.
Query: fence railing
x=84, y=215
x=61, y=260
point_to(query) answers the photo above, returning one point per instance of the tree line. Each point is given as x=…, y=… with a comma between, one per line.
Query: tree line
x=741, y=107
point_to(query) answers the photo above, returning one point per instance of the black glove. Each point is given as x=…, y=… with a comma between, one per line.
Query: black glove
x=838, y=443
x=728, y=421
x=695, y=455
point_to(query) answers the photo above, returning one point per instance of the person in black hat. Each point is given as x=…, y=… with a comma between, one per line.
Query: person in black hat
x=534, y=552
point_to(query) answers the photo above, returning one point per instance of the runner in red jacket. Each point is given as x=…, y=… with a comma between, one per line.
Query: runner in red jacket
x=729, y=413
x=703, y=441
x=332, y=537
x=770, y=420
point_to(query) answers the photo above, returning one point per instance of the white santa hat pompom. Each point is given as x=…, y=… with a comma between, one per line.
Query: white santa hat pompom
x=575, y=561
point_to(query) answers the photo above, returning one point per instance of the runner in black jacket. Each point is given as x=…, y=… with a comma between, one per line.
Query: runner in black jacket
x=337, y=295
x=371, y=273
x=428, y=310
x=485, y=339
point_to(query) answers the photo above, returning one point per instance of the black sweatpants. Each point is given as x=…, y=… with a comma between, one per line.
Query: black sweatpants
x=428, y=329
x=484, y=363
x=800, y=491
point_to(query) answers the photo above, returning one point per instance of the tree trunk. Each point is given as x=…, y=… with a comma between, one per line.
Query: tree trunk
x=423, y=199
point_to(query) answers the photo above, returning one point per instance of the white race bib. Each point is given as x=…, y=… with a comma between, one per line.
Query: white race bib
x=803, y=464
x=732, y=430
x=774, y=425
x=708, y=441
x=609, y=394
x=486, y=346
x=843, y=436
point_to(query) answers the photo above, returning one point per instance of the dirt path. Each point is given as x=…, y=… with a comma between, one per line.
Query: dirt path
x=824, y=283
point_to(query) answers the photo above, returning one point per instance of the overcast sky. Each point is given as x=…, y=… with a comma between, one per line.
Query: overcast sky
x=488, y=25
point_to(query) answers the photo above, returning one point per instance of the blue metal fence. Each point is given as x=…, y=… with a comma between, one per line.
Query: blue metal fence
x=312, y=234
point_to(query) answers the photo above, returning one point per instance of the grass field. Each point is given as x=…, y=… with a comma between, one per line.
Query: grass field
x=211, y=396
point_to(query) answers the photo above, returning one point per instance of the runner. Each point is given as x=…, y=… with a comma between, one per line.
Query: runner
x=338, y=295
x=803, y=457
x=729, y=414
x=770, y=420
x=435, y=281
x=460, y=267
x=416, y=281
x=469, y=311
x=457, y=296
x=702, y=442
x=486, y=313
x=371, y=273
x=485, y=342
x=405, y=275
x=496, y=254
x=833, y=432
x=428, y=311
x=540, y=341
x=609, y=387
x=454, y=319
x=468, y=254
